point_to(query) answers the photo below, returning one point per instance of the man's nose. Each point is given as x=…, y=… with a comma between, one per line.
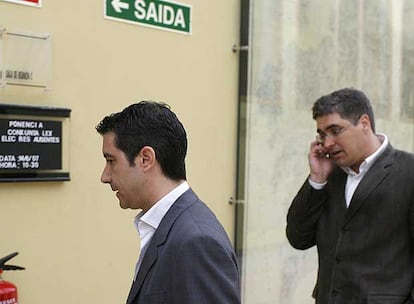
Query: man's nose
x=328, y=142
x=105, y=177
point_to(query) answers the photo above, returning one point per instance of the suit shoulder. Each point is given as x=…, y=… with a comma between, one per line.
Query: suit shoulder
x=400, y=154
x=200, y=215
x=199, y=221
x=403, y=159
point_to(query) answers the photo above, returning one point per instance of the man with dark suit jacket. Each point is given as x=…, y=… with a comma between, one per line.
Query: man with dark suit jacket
x=357, y=207
x=186, y=256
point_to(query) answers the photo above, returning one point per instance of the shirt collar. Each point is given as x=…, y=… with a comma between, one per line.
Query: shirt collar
x=155, y=214
x=369, y=161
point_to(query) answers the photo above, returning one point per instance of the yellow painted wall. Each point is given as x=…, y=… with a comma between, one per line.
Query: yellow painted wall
x=77, y=244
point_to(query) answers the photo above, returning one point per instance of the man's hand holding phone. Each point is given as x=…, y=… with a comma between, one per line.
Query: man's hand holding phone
x=320, y=162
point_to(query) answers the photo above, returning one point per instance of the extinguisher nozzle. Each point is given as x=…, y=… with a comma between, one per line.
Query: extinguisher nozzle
x=3, y=261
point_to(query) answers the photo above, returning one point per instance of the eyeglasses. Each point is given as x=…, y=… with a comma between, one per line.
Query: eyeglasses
x=333, y=133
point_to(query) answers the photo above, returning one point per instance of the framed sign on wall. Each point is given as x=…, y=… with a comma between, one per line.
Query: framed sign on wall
x=33, y=143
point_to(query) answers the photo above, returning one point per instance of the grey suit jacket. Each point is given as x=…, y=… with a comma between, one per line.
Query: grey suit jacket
x=189, y=259
x=366, y=252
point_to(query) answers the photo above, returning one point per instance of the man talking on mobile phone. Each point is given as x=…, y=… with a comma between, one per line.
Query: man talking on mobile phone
x=356, y=206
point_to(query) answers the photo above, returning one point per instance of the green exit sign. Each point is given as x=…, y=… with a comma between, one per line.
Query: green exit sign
x=166, y=15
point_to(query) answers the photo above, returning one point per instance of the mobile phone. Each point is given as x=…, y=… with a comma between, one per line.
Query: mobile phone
x=320, y=152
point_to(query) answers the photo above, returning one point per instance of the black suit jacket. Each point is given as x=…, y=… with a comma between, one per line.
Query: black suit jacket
x=365, y=252
x=189, y=259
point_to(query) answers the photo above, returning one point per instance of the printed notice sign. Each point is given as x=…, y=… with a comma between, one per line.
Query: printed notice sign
x=34, y=143
x=30, y=144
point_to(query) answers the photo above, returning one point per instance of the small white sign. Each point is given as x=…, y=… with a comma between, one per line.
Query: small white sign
x=26, y=59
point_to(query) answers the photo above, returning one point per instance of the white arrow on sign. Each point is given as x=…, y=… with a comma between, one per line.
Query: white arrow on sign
x=118, y=5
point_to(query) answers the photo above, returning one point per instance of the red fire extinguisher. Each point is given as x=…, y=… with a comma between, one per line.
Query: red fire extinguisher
x=8, y=291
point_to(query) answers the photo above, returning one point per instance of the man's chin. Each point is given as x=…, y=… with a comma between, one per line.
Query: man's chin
x=339, y=160
x=123, y=205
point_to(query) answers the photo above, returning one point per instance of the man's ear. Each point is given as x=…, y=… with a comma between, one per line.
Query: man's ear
x=365, y=121
x=146, y=158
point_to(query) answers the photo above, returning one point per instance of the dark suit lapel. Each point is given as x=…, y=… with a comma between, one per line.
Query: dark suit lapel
x=159, y=238
x=372, y=179
x=148, y=260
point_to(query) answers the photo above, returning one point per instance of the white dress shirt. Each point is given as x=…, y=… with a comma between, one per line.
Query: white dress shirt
x=146, y=223
x=354, y=178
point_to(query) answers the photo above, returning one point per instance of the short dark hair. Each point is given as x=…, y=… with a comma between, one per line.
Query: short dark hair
x=349, y=103
x=153, y=124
